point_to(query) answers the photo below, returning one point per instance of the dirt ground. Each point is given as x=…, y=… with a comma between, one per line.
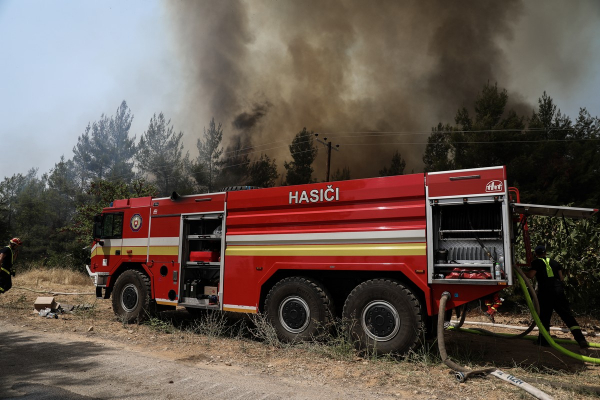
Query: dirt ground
x=419, y=376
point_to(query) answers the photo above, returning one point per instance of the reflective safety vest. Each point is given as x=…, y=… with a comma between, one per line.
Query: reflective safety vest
x=548, y=267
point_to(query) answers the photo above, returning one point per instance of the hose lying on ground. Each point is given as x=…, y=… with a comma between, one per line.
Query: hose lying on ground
x=517, y=327
x=544, y=332
x=463, y=373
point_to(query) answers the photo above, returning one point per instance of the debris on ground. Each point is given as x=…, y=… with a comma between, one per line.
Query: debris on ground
x=44, y=302
x=49, y=308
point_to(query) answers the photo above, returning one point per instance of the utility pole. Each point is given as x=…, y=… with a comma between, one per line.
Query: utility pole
x=329, y=147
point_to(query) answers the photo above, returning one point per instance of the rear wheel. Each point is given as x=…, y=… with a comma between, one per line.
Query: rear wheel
x=131, y=296
x=298, y=308
x=385, y=316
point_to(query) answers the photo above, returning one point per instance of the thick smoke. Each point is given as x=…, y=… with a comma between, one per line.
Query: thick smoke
x=248, y=120
x=266, y=69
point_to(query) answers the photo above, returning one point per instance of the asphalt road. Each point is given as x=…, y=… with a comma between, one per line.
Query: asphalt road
x=47, y=366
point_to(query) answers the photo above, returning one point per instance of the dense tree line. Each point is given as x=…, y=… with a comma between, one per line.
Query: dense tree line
x=551, y=158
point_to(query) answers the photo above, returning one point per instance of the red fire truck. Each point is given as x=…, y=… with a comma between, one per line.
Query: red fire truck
x=377, y=251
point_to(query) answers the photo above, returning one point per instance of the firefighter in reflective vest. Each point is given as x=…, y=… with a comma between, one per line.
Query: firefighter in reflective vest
x=551, y=295
x=8, y=255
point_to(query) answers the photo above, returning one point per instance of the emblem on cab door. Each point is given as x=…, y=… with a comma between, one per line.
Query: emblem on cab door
x=136, y=222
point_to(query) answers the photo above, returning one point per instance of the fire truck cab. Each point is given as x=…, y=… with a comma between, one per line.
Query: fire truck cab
x=377, y=251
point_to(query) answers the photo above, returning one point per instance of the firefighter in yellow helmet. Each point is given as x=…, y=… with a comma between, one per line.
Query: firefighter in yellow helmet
x=8, y=255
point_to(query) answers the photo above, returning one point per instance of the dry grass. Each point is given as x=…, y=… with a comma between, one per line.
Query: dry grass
x=331, y=360
x=53, y=276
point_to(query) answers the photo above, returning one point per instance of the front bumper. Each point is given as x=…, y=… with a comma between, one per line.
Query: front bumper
x=100, y=279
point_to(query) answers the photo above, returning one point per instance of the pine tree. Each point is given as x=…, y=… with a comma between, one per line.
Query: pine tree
x=208, y=165
x=397, y=166
x=263, y=172
x=161, y=157
x=303, y=152
x=105, y=150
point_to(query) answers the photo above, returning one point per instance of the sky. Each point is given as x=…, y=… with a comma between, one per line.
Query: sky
x=65, y=63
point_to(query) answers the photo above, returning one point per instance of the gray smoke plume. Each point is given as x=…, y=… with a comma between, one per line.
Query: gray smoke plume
x=266, y=69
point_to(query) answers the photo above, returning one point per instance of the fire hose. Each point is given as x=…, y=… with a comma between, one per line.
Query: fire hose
x=536, y=306
x=463, y=373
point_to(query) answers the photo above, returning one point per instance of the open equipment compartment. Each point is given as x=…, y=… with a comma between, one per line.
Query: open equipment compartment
x=469, y=232
x=468, y=235
x=201, y=262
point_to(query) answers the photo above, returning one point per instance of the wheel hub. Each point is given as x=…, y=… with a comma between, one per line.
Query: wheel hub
x=380, y=321
x=129, y=298
x=294, y=314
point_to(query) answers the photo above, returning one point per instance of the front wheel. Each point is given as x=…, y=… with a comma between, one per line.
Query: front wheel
x=385, y=316
x=131, y=296
x=298, y=307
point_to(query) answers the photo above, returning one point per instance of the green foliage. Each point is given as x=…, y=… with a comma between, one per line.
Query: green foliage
x=263, y=172
x=64, y=191
x=208, y=165
x=439, y=153
x=160, y=326
x=303, y=152
x=235, y=166
x=548, y=157
x=574, y=244
x=397, y=166
x=161, y=157
x=341, y=175
x=105, y=150
x=35, y=209
x=101, y=193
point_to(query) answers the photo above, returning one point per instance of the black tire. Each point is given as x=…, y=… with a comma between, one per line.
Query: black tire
x=131, y=297
x=385, y=317
x=298, y=308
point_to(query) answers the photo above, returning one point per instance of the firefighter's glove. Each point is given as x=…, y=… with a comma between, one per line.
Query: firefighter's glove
x=13, y=272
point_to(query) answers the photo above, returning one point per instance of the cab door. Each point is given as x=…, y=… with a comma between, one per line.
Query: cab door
x=110, y=232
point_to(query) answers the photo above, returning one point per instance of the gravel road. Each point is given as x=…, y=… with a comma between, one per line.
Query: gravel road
x=44, y=366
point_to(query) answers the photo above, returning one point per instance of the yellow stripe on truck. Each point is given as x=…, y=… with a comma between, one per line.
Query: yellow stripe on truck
x=164, y=250
x=102, y=251
x=393, y=249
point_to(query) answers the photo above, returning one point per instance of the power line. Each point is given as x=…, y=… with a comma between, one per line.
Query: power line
x=427, y=132
x=372, y=134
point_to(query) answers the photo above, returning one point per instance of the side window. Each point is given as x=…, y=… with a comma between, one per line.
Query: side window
x=112, y=226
